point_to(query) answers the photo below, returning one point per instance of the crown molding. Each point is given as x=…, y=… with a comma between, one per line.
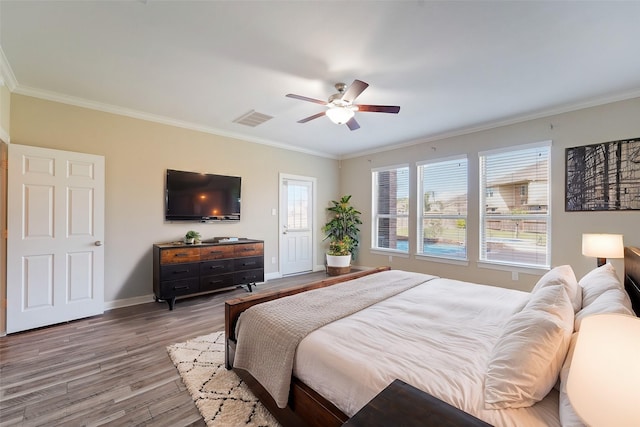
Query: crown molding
x=8, y=78
x=567, y=108
x=6, y=73
x=114, y=109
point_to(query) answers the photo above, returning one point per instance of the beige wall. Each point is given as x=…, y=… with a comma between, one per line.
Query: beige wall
x=137, y=153
x=610, y=122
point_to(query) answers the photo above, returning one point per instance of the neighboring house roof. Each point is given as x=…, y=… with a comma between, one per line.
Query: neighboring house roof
x=523, y=175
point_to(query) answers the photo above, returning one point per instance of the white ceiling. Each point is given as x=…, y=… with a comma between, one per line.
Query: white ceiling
x=451, y=66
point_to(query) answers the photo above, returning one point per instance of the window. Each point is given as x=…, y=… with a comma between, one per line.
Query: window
x=391, y=208
x=515, y=221
x=442, y=208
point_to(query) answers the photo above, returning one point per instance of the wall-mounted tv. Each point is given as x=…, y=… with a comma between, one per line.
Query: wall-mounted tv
x=192, y=196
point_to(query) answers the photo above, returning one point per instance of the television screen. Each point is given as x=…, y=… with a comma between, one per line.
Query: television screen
x=192, y=196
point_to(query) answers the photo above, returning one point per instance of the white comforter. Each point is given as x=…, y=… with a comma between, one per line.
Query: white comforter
x=437, y=336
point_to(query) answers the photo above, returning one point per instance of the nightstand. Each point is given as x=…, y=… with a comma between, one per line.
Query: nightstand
x=402, y=405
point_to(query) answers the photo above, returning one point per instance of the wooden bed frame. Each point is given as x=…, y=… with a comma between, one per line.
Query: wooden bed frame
x=308, y=408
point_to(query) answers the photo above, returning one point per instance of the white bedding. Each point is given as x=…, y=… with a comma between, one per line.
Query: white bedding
x=437, y=336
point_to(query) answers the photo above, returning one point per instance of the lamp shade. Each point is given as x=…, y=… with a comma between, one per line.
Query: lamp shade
x=603, y=245
x=604, y=374
x=339, y=115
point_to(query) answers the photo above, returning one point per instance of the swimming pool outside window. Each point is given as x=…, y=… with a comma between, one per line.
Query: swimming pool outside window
x=442, y=208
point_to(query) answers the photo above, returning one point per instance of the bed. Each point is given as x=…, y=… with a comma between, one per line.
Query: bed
x=461, y=342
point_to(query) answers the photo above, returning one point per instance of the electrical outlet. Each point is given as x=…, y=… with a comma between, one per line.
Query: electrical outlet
x=514, y=275
x=273, y=260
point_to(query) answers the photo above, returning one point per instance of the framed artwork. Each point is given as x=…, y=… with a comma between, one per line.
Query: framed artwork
x=603, y=177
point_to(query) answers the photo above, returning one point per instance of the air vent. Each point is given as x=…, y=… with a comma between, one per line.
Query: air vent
x=252, y=119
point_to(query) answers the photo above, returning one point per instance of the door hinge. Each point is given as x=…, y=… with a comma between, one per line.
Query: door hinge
x=5, y=234
x=4, y=165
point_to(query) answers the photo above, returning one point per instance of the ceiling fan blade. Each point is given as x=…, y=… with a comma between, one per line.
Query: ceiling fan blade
x=353, y=124
x=379, y=108
x=304, y=98
x=356, y=88
x=315, y=116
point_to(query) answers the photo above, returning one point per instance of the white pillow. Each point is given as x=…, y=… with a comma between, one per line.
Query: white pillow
x=562, y=275
x=568, y=416
x=525, y=362
x=598, y=281
x=610, y=301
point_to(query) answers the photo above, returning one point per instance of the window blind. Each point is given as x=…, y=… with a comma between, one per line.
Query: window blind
x=442, y=208
x=514, y=206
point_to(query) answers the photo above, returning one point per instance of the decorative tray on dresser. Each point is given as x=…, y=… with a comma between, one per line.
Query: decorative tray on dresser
x=180, y=269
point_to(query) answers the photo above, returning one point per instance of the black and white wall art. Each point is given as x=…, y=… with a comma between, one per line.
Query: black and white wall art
x=603, y=177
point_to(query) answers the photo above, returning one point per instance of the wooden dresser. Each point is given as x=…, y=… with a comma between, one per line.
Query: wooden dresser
x=180, y=269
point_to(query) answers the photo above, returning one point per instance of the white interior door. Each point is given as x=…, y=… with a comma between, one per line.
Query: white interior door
x=297, y=223
x=55, y=257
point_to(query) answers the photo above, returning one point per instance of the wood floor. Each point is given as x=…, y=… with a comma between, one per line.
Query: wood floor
x=111, y=369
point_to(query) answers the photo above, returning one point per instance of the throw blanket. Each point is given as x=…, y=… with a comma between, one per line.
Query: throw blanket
x=269, y=333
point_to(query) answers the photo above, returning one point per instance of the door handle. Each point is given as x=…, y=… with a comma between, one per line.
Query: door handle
x=98, y=243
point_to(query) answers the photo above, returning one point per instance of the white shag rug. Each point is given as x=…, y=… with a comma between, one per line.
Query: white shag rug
x=221, y=396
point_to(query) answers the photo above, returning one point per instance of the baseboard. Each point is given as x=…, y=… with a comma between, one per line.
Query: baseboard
x=278, y=275
x=110, y=305
x=272, y=276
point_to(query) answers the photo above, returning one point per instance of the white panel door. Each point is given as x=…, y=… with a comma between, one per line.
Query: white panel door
x=55, y=257
x=296, y=219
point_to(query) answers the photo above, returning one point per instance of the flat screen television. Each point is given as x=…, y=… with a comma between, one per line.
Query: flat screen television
x=192, y=196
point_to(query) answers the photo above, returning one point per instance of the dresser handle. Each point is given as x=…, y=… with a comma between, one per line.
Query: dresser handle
x=180, y=288
x=180, y=271
x=248, y=263
x=181, y=254
x=212, y=282
x=215, y=267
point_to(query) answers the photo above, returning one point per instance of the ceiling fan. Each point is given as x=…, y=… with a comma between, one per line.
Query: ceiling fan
x=341, y=109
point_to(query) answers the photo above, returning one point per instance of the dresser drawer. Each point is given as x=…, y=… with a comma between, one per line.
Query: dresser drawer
x=216, y=267
x=216, y=252
x=176, y=255
x=179, y=271
x=248, y=249
x=248, y=263
x=249, y=276
x=177, y=288
x=210, y=283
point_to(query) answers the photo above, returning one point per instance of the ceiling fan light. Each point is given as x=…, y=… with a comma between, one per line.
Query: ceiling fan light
x=339, y=115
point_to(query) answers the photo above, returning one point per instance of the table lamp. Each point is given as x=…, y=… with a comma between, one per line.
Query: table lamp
x=604, y=374
x=603, y=246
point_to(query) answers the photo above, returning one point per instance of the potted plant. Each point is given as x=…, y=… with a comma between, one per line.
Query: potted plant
x=342, y=231
x=191, y=237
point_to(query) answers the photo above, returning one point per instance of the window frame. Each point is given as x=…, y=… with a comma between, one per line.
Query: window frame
x=421, y=216
x=376, y=216
x=546, y=217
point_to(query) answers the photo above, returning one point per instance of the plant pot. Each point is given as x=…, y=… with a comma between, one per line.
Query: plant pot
x=338, y=264
x=189, y=241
